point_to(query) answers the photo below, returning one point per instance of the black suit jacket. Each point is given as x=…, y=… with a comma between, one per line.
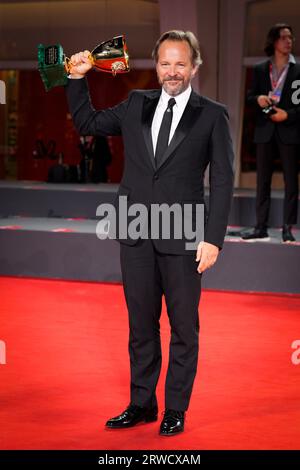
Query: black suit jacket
x=289, y=130
x=202, y=136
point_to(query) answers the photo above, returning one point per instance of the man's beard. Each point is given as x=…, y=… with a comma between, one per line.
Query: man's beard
x=179, y=88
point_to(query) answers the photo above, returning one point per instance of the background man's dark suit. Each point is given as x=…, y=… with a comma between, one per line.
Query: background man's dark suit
x=285, y=134
x=202, y=136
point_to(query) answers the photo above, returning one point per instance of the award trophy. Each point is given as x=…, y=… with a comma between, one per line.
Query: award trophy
x=109, y=56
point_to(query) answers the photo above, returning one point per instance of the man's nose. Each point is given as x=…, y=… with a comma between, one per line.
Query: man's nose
x=172, y=70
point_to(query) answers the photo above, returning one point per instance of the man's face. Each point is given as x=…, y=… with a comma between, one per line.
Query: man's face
x=284, y=43
x=174, y=67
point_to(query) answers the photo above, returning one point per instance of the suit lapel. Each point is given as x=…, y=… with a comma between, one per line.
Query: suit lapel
x=189, y=117
x=149, y=107
x=266, y=75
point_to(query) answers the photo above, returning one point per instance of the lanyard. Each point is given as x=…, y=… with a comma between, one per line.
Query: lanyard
x=276, y=84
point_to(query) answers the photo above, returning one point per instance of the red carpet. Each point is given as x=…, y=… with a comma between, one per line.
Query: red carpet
x=67, y=370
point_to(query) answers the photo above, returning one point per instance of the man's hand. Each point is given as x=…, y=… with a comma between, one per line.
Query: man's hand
x=264, y=101
x=280, y=115
x=207, y=254
x=80, y=64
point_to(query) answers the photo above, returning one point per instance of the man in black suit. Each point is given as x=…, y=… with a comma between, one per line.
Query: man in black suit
x=277, y=125
x=170, y=136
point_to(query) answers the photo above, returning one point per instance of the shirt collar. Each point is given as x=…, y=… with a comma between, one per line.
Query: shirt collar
x=181, y=99
x=291, y=60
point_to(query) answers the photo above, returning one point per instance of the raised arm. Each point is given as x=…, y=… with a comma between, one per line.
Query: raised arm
x=87, y=120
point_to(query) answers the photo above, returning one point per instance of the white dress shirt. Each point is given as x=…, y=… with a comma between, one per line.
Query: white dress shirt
x=178, y=108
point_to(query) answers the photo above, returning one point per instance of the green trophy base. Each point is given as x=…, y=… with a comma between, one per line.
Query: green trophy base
x=51, y=65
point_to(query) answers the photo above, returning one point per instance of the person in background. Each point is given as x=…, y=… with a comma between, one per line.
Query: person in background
x=101, y=158
x=58, y=173
x=277, y=128
x=85, y=147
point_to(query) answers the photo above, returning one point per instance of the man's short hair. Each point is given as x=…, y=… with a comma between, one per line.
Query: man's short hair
x=273, y=35
x=177, y=35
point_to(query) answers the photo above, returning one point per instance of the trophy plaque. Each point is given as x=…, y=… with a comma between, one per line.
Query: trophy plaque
x=110, y=56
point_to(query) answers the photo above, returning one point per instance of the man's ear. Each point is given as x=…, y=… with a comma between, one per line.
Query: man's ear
x=195, y=70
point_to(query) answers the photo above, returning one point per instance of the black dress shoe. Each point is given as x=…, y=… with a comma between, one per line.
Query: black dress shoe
x=173, y=423
x=131, y=416
x=287, y=235
x=257, y=234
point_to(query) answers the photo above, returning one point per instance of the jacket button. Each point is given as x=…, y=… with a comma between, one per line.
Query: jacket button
x=156, y=176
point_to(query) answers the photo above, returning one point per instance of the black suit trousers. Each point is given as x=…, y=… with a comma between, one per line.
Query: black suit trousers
x=265, y=156
x=147, y=276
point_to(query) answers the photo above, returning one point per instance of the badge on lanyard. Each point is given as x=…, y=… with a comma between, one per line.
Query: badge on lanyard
x=275, y=96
